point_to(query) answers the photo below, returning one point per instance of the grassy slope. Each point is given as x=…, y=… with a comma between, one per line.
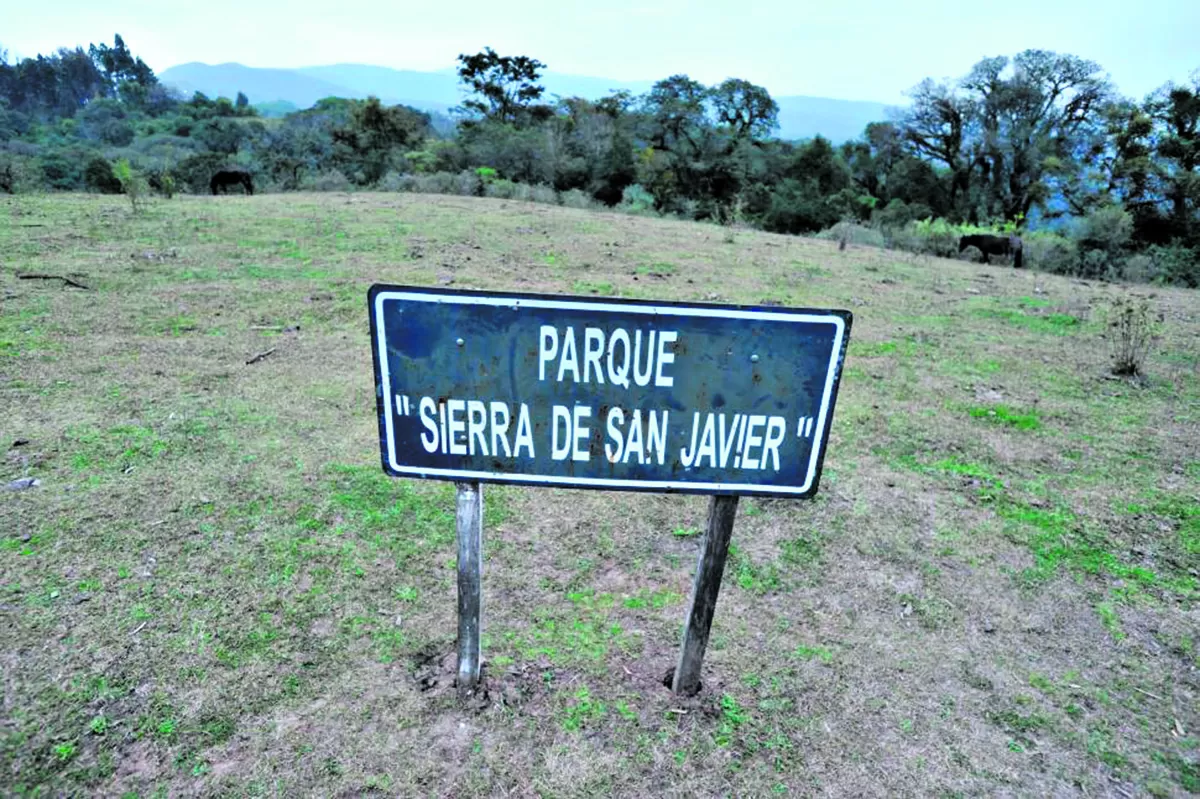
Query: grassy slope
x=214, y=588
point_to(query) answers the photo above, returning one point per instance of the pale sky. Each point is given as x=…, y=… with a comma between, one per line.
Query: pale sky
x=865, y=50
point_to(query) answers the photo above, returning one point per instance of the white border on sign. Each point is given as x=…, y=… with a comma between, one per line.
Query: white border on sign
x=648, y=310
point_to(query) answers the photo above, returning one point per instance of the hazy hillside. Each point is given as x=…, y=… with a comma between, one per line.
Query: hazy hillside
x=260, y=85
x=799, y=116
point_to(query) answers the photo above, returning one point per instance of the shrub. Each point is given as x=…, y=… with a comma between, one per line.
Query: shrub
x=470, y=184
x=636, y=200
x=1051, y=252
x=18, y=174
x=500, y=189
x=1177, y=265
x=853, y=233
x=194, y=172
x=1131, y=330
x=543, y=194
x=899, y=214
x=328, y=180
x=132, y=182
x=99, y=176
x=394, y=181
x=1140, y=268
x=434, y=183
x=575, y=198
x=163, y=181
x=936, y=237
x=421, y=161
x=1102, y=237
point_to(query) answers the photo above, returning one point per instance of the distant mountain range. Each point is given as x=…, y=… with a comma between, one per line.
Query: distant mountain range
x=800, y=117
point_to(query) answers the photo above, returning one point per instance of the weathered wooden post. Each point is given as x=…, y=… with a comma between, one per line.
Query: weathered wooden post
x=469, y=524
x=709, y=568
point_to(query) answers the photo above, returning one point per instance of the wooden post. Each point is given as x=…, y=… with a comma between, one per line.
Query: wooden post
x=721, y=510
x=469, y=523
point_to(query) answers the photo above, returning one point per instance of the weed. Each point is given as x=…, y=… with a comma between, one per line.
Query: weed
x=753, y=577
x=582, y=712
x=733, y=716
x=1131, y=330
x=1110, y=620
x=804, y=652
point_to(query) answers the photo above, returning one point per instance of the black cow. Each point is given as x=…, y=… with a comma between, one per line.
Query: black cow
x=994, y=245
x=231, y=177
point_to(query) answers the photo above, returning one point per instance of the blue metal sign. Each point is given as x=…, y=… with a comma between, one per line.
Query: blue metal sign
x=609, y=394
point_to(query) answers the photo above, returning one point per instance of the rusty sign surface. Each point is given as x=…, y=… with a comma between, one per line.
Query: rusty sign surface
x=603, y=393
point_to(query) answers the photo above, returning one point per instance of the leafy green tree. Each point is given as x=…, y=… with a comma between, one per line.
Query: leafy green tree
x=675, y=113
x=375, y=137
x=1175, y=111
x=747, y=109
x=505, y=87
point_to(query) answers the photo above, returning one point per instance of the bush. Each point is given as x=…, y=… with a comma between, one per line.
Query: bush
x=328, y=180
x=636, y=200
x=61, y=170
x=394, y=181
x=1102, y=237
x=99, y=176
x=500, y=189
x=194, y=172
x=1131, y=330
x=574, y=198
x=435, y=183
x=899, y=214
x=853, y=233
x=936, y=237
x=926, y=237
x=543, y=194
x=132, y=183
x=18, y=173
x=1177, y=265
x=470, y=184
x=1051, y=252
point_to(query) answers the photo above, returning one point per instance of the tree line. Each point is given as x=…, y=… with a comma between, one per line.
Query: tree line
x=1102, y=185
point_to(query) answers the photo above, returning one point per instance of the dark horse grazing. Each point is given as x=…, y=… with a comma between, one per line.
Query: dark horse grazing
x=994, y=245
x=231, y=177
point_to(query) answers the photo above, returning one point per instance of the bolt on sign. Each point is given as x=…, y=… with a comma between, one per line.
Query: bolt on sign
x=541, y=390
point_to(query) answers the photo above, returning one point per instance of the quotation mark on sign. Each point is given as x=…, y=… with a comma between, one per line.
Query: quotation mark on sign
x=402, y=407
x=804, y=427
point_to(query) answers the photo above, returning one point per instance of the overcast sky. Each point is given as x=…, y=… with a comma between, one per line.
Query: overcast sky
x=865, y=50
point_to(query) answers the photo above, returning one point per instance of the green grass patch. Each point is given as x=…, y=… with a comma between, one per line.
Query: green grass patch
x=757, y=578
x=804, y=652
x=600, y=288
x=1058, y=324
x=582, y=711
x=1003, y=415
x=652, y=599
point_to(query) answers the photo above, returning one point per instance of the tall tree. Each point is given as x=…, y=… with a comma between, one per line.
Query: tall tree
x=1031, y=122
x=504, y=86
x=747, y=109
x=1175, y=110
x=936, y=127
x=674, y=107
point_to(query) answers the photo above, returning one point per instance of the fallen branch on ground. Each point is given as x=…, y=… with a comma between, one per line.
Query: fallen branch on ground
x=66, y=280
x=260, y=356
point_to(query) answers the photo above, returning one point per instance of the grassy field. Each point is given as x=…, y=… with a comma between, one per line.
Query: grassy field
x=214, y=590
